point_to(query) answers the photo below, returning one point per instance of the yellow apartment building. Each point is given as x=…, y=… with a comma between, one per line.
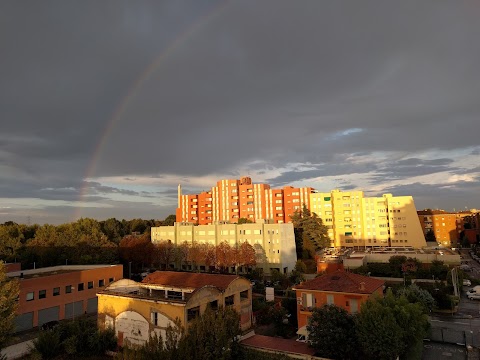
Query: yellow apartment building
x=274, y=244
x=354, y=220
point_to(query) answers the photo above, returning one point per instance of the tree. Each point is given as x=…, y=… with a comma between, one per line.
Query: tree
x=224, y=256
x=113, y=229
x=169, y=220
x=246, y=255
x=310, y=232
x=332, y=333
x=9, y=291
x=182, y=253
x=165, y=251
x=195, y=254
x=138, y=250
x=396, y=262
x=244, y=221
x=415, y=294
x=390, y=327
x=438, y=269
x=213, y=335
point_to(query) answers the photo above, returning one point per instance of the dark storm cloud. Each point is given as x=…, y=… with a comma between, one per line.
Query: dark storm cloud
x=242, y=84
x=342, y=167
x=269, y=90
x=430, y=196
x=407, y=168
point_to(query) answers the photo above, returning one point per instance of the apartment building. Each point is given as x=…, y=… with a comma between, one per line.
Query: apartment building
x=354, y=220
x=343, y=289
x=232, y=199
x=274, y=244
x=60, y=292
x=137, y=311
x=444, y=225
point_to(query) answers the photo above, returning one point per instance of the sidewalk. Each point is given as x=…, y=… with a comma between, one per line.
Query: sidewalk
x=17, y=350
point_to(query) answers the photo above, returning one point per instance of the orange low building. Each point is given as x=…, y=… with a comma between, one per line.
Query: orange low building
x=343, y=289
x=60, y=292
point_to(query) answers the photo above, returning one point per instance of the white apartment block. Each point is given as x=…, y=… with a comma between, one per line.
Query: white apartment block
x=274, y=244
x=357, y=221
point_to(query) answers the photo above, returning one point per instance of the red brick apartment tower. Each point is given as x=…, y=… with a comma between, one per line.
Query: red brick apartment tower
x=252, y=199
x=294, y=199
x=187, y=210
x=226, y=200
x=274, y=205
x=443, y=224
x=205, y=207
x=232, y=199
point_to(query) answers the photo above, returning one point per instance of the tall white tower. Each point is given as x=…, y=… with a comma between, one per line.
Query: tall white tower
x=179, y=195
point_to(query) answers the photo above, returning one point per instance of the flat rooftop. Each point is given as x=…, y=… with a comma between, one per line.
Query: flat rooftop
x=398, y=251
x=54, y=270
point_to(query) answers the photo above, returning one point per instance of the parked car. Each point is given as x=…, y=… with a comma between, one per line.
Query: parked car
x=465, y=267
x=474, y=296
x=467, y=282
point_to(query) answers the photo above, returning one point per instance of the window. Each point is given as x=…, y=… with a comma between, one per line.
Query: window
x=229, y=300
x=68, y=289
x=56, y=291
x=330, y=300
x=308, y=301
x=214, y=305
x=327, y=198
x=101, y=282
x=244, y=295
x=90, y=285
x=42, y=294
x=110, y=280
x=30, y=296
x=154, y=318
x=193, y=313
x=80, y=287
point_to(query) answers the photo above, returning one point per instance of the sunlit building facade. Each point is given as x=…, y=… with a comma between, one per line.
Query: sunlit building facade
x=354, y=220
x=274, y=244
x=232, y=199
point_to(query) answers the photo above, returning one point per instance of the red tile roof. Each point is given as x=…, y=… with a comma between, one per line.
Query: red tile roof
x=342, y=281
x=278, y=344
x=189, y=280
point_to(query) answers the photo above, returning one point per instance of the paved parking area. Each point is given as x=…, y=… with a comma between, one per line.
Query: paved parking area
x=439, y=351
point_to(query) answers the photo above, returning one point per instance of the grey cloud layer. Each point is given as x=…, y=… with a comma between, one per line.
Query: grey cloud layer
x=271, y=83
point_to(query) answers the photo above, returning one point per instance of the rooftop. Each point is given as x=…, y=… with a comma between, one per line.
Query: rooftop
x=186, y=280
x=342, y=281
x=278, y=344
x=54, y=270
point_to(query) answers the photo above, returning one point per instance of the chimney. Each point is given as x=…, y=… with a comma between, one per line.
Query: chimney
x=362, y=286
x=179, y=192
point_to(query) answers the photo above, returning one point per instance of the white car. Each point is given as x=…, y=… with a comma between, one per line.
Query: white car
x=473, y=296
x=467, y=282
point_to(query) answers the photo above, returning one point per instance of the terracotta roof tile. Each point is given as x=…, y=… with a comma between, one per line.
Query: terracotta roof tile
x=278, y=344
x=342, y=281
x=189, y=280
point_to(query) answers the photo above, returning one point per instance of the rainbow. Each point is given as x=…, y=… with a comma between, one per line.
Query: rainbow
x=180, y=40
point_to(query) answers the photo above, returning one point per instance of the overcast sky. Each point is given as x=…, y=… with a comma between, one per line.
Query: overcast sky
x=105, y=106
